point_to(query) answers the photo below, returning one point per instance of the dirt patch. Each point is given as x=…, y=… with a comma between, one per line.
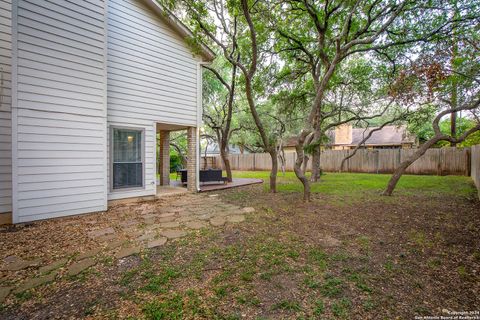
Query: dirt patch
x=336, y=257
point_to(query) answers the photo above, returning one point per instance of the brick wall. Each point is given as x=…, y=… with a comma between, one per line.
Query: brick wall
x=164, y=165
x=192, y=159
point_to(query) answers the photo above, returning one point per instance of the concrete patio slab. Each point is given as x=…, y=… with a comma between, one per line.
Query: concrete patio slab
x=128, y=251
x=156, y=243
x=173, y=233
x=4, y=292
x=80, y=266
x=100, y=232
x=53, y=266
x=35, y=282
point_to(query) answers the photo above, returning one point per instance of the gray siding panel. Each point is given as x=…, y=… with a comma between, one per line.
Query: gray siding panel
x=61, y=110
x=5, y=106
x=152, y=78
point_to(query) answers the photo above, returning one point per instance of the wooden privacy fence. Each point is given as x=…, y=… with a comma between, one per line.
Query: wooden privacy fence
x=475, y=166
x=210, y=162
x=443, y=161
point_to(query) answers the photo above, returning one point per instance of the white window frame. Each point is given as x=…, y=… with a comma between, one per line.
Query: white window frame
x=142, y=142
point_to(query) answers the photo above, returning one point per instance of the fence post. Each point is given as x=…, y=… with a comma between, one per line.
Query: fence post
x=439, y=162
x=346, y=168
x=399, y=159
x=468, y=161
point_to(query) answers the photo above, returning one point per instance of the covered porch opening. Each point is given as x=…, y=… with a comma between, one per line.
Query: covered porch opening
x=200, y=177
x=166, y=184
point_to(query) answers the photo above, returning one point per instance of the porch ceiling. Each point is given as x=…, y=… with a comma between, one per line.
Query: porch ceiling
x=170, y=127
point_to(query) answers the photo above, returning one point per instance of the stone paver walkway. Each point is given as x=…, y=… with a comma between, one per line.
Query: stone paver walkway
x=118, y=233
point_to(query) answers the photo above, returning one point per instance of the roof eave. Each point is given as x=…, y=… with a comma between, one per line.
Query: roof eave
x=375, y=144
x=207, y=54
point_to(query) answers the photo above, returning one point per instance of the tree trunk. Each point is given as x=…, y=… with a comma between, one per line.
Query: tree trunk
x=305, y=164
x=474, y=103
x=316, y=170
x=223, y=144
x=261, y=130
x=297, y=168
x=303, y=179
x=454, y=92
x=273, y=172
x=315, y=165
x=342, y=164
x=453, y=115
x=400, y=170
x=281, y=156
x=226, y=163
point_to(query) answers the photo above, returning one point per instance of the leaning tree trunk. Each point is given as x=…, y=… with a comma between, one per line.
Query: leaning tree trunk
x=281, y=156
x=274, y=171
x=305, y=164
x=400, y=170
x=297, y=168
x=473, y=104
x=316, y=168
x=226, y=163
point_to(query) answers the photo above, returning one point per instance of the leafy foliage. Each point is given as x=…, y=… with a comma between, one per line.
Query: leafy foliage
x=305, y=67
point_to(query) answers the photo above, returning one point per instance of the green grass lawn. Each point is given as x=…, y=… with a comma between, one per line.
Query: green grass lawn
x=348, y=183
x=348, y=254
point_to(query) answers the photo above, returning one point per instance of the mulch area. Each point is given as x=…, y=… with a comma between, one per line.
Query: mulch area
x=421, y=253
x=366, y=257
x=40, y=252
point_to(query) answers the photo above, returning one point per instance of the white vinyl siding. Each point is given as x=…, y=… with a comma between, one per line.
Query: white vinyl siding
x=5, y=106
x=60, y=155
x=152, y=78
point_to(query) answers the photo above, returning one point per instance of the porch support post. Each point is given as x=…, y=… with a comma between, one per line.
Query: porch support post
x=164, y=158
x=192, y=159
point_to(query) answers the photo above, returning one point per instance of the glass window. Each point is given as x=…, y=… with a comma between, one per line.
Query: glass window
x=127, y=158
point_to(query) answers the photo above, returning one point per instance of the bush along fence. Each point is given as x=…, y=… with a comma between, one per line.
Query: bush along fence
x=443, y=161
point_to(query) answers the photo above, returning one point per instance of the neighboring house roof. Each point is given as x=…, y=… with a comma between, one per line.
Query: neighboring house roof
x=387, y=136
x=172, y=21
x=290, y=142
x=213, y=148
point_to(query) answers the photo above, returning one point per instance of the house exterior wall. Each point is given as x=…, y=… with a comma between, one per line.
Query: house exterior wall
x=5, y=106
x=289, y=149
x=59, y=109
x=152, y=78
x=372, y=146
x=80, y=69
x=343, y=134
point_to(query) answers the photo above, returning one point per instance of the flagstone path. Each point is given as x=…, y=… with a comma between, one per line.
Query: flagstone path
x=70, y=246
